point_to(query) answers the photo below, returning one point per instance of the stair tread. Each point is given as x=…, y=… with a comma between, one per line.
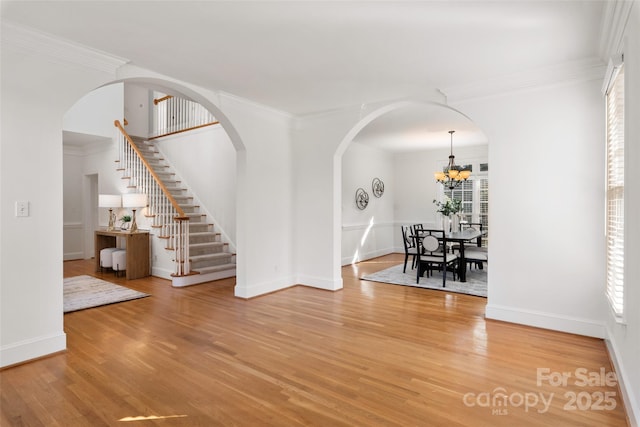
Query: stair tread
x=210, y=256
x=205, y=244
x=215, y=268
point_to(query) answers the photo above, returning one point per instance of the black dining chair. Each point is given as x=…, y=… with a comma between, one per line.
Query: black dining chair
x=476, y=255
x=409, y=247
x=432, y=255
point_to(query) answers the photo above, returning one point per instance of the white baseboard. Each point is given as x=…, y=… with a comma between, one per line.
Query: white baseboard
x=545, y=320
x=268, y=287
x=73, y=255
x=630, y=401
x=196, y=279
x=162, y=273
x=320, y=283
x=262, y=288
x=368, y=255
x=34, y=348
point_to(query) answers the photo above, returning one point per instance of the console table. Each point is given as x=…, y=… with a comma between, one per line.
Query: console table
x=136, y=244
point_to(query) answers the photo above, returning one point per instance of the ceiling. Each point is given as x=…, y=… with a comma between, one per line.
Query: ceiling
x=304, y=57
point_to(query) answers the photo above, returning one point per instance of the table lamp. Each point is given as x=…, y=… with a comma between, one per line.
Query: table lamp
x=133, y=201
x=110, y=201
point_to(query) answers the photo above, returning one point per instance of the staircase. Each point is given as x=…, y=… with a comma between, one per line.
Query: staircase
x=208, y=257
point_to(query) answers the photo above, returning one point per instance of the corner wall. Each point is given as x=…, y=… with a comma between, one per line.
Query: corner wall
x=546, y=218
x=366, y=233
x=37, y=89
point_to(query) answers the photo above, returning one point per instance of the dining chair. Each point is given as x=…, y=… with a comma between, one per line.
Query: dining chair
x=476, y=226
x=432, y=255
x=476, y=255
x=409, y=247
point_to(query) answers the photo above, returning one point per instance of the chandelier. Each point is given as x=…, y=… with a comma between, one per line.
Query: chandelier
x=453, y=175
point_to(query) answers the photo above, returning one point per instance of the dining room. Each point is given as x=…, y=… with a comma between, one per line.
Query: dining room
x=400, y=152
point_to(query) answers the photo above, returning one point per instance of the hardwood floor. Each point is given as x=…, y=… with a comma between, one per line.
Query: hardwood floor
x=370, y=355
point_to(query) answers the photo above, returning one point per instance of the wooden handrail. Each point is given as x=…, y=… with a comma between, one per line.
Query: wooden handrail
x=163, y=187
x=184, y=130
x=164, y=98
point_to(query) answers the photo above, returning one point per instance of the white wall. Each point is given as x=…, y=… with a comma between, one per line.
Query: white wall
x=416, y=186
x=137, y=110
x=318, y=196
x=73, y=216
x=366, y=233
x=545, y=208
x=39, y=89
x=95, y=112
x=206, y=162
x=624, y=338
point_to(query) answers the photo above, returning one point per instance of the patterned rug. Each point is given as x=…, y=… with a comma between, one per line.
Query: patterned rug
x=82, y=292
x=476, y=283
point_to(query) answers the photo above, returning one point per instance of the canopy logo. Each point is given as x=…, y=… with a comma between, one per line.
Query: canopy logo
x=499, y=401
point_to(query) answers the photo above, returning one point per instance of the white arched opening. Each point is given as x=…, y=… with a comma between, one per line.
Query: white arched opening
x=403, y=144
x=233, y=165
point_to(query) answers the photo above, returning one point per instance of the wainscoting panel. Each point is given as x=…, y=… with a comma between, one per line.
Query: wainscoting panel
x=365, y=241
x=73, y=241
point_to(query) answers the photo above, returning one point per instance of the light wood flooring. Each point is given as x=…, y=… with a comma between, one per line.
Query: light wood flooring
x=371, y=354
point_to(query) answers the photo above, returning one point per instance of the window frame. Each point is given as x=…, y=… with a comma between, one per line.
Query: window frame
x=613, y=89
x=476, y=177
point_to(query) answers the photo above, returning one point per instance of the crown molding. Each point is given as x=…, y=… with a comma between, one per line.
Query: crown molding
x=57, y=50
x=567, y=73
x=222, y=95
x=614, y=22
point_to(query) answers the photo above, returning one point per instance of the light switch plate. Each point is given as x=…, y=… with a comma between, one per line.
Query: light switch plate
x=22, y=208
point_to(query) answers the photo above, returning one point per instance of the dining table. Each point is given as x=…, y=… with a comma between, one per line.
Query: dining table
x=461, y=237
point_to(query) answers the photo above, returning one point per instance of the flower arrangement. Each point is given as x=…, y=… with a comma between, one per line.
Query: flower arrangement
x=449, y=206
x=124, y=221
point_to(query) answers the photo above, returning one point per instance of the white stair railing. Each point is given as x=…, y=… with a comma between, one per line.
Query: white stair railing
x=173, y=115
x=168, y=217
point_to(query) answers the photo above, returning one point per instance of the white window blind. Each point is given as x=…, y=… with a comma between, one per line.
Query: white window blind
x=615, y=194
x=474, y=194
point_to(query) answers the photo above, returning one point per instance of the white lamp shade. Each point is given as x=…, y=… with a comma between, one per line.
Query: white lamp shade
x=134, y=200
x=109, y=201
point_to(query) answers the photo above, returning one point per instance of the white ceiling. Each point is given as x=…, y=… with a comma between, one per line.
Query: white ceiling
x=304, y=57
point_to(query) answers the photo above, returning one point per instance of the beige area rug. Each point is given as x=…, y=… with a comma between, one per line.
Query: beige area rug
x=476, y=283
x=82, y=292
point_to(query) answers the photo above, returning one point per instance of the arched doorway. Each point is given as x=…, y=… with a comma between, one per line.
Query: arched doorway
x=101, y=164
x=403, y=144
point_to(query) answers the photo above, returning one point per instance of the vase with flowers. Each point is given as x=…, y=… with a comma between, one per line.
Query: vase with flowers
x=124, y=222
x=449, y=208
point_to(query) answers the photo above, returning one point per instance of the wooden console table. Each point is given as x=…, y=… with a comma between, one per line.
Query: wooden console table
x=137, y=246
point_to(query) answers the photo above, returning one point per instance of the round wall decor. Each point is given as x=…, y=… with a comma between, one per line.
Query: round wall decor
x=378, y=187
x=362, y=198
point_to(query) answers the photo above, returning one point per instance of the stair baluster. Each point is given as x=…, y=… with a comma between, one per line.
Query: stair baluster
x=170, y=220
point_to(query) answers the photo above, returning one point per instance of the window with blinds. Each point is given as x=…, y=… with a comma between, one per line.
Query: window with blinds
x=474, y=194
x=615, y=193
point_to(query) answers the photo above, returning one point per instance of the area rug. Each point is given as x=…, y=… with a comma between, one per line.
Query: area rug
x=476, y=283
x=82, y=292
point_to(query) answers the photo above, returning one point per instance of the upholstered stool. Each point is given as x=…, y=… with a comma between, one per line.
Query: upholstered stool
x=106, y=257
x=119, y=260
